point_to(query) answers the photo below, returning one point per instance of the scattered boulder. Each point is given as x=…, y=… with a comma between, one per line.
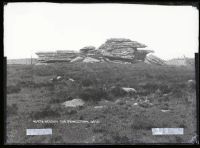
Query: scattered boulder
x=70, y=79
x=56, y=79
x=74, y=103
x=129, y=90
x=164, y=111
x=99, y=107
x=59, y=78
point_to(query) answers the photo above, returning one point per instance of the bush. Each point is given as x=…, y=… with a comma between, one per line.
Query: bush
x=13, y=89
x=92, y=94
x=86, y=82
x=143, y=122
x=48, y=111
x=60, y=97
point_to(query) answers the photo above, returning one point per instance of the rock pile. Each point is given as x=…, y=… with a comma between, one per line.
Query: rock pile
x=117, y=50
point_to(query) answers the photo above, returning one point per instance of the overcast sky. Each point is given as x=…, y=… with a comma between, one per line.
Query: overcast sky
x=171, y=31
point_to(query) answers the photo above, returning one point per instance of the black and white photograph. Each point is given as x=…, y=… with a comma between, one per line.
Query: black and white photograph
x=100, y=73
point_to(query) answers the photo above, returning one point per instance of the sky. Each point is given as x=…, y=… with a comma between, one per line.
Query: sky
x=171, y=31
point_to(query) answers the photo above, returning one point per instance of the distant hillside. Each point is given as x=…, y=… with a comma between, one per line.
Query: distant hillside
x=181, y=61
x=21, y=61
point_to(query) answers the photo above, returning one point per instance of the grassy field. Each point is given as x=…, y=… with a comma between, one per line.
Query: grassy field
x=31, y=96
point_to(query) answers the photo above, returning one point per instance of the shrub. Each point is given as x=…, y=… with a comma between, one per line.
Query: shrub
x=13, y=89
x=60, y=97
x=48, y=111
x=92, y=94
x=86, y=82
x=143, y=122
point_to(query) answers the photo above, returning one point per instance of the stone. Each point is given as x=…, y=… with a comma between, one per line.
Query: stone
x=77, y=59
x=41, y=64
x=122, y=49
x=129, y=90
x=164, y=111
x=87, y=49
x=58, y=77
x=90, y=60
x=72, y=80
x=99, y=107
x=152, y=59
x=74, y=103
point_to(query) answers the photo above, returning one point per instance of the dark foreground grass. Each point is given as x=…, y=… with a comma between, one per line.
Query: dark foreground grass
x=36, y=98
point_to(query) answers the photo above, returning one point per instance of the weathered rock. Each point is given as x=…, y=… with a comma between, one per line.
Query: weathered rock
x=70, y=79
x=152, y=59
x=87, y=49
x=164, y=111
x=41, y=64
x=77, y=59
x=117, y=50
x=90, y=60
x=129, y=90
x=99, y=107
x=74, y=103
x=58, y=56
x=122, y=49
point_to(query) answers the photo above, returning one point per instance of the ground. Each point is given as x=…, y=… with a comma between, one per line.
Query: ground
x=31, y=97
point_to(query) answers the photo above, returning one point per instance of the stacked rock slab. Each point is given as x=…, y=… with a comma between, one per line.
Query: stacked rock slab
x=58, y=56
x=116, y=49
x=152, y=59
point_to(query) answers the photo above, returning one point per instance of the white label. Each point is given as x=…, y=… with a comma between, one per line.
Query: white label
x=167, y=131
x=47, y=131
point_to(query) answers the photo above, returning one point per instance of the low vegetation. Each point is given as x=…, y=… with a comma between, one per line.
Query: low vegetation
x=32, y=96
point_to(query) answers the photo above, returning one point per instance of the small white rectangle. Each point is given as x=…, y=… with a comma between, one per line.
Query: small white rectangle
x=167, y=131
x=46, y=131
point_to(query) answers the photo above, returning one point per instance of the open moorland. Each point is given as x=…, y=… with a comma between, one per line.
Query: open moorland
x=164, y=98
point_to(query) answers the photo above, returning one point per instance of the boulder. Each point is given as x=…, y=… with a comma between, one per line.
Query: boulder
x=74, y=103
x=90, y=60
x=120, y=48
x=164, y=111
x=77, y=59
x=129, y=90
x=99, y=107
x=152, y=59
x=70, y=79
